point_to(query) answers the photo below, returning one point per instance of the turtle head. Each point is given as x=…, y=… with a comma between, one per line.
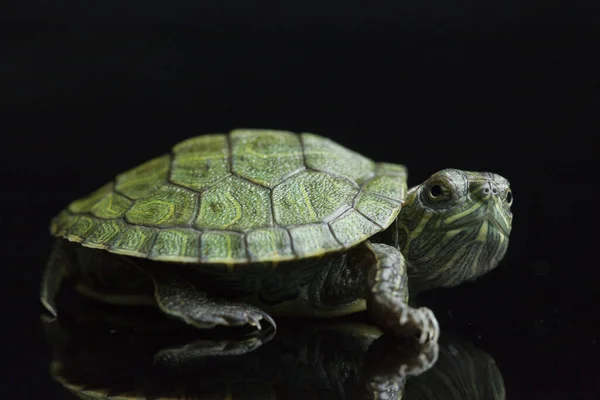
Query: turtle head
x=455, y=227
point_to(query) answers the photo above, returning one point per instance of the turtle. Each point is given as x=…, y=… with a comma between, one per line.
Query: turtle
x=236, y=229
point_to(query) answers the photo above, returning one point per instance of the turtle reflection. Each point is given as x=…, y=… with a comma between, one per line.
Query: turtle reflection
x=99, y=354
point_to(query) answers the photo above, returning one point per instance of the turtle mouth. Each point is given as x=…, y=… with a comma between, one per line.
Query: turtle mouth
x=496, y=216
x=489, y=218
x=494, y=221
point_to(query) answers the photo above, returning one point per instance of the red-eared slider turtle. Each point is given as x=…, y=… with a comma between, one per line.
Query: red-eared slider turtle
x=229, y=229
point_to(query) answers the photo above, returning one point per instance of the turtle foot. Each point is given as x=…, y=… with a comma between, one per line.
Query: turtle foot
x=405, y=321
x=423, y=320
x=180, y=299
x=209, y=315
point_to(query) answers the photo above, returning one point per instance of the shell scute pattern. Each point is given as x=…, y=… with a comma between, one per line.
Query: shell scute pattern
x=353, y=227
x=269, y=243
x=266, y=165
x=83, y=227
x=310, y=197
x=135, y=240
x=169, y=205
x=60, y=225
x=234, y=204
x=250, y=195
x=323, y=154
x=376, y=208
x=176, y=244
x=143, y=179
x=199, y=163
x=103, y=234
x=85, y=204
x=313, y=239
x=113, y=205
x=223, y=247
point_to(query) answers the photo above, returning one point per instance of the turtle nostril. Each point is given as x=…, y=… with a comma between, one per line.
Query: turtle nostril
x=490, y=187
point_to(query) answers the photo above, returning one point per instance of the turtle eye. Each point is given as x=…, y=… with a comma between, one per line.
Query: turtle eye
x=438, y=192
x=435, y=191
x=444, y=189
x=509, y=197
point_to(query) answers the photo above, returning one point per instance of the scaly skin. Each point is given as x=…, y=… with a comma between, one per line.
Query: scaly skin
x=458, y=235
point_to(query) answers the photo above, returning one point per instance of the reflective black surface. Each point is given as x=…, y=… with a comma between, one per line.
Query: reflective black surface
x=100, y=353
x=512, y=88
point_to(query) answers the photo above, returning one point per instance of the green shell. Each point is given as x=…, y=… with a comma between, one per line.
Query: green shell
x=246, y=196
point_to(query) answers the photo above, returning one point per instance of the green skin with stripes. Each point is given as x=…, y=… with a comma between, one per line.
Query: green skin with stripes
x=233, y=229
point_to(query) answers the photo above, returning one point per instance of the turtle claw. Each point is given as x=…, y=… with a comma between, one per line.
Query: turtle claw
x=430, y=329
x=177, y=298
x=254, y=316
x=254, y=320
x=404, y=320
x=270, y=320
x=423, y=320
x=239, y=314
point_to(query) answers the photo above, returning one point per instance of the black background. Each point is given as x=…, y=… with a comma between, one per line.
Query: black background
x=510, y=87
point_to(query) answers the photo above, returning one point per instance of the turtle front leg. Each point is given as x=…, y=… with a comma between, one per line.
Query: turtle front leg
x=387, y=294
x=178, y=298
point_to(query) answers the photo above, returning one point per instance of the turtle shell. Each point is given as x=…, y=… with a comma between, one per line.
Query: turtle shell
x=247, y=196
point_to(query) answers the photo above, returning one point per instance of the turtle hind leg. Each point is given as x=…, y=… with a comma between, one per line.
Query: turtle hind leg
x=58, y=269
x=178, y=298
x=387, y=295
